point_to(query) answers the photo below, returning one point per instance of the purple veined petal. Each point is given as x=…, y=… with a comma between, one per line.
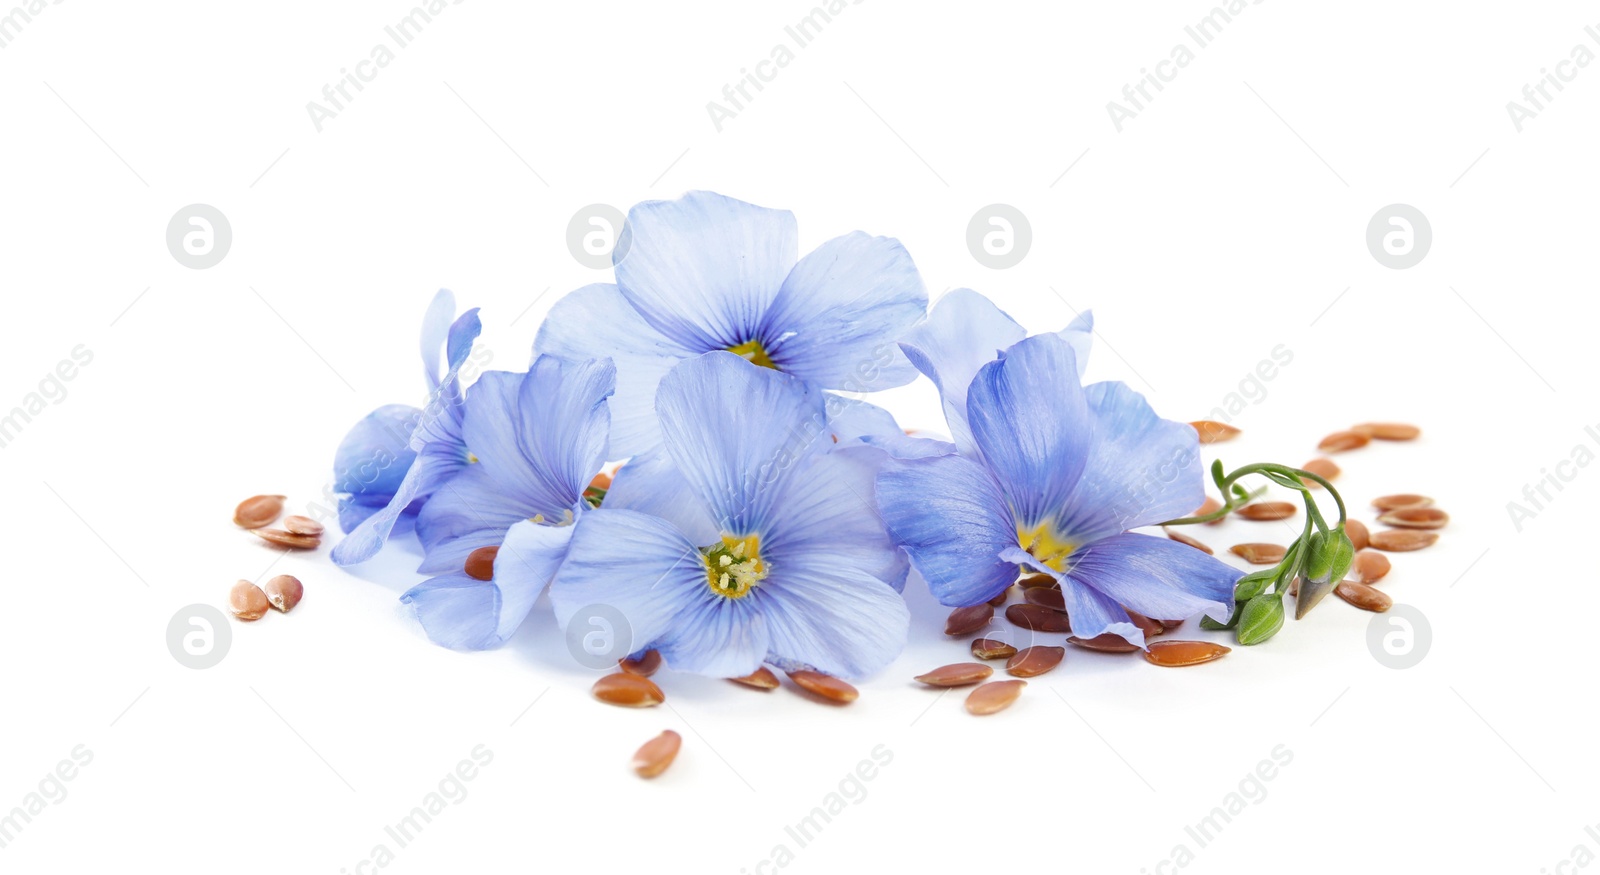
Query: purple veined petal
x=717, y=637
x=738, y=432
x=658, y=583
x=841, y=309
x=1155, y=576
x=964, y=332
x=596, y=321
x=950, y=516
x=704, y=269
x=374, y=456
x=1141, y=469
x=1030, y=419
x=1079, y=334
x=831, y=508
x=653, y=485
x=463, y=613
x=823, y=611
x=435, y=328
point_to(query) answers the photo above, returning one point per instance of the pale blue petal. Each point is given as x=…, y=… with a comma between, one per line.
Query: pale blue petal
x=851, y=419
x=473, y=510
x=374, y=456
x=1091, y=613
x=596, y=321
x=652, y=484
x=964, y=332
x=439, y=427
x=905, y=446
x=635, y=563
x=1030, y=418
x=831, y=509
x=840, y=311
x=1157, y=577
x=717, y=637
x=1141, y=469
x=463, y=332
x=435, y=328
x=456, y=610
x=367, y=463
x=950, y=516
x=1079, y=334
x=704, y=269
x=431, y=470
x=541, y=436
x=463, y=613
x=825, y=612
x=352, y=512
x=737, y=432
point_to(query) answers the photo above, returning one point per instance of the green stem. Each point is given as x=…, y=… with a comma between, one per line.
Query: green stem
x=1283, y=475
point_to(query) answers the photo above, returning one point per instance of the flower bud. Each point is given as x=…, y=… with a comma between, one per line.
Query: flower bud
x=1253, y=584
x=1261, y=618
x=1328, y=556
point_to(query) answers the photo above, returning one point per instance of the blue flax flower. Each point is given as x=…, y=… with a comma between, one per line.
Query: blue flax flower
x=749, y=537
x=707, y=272
x=537, y=439
x=394, y=458
x=1056, y=476
x=964, y=332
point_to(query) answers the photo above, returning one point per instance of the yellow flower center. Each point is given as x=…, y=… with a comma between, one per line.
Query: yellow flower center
x=1045, y=545
x=734, y=567
x=753, y=352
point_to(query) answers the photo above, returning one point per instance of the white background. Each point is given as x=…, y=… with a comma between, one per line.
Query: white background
x=1224, y=220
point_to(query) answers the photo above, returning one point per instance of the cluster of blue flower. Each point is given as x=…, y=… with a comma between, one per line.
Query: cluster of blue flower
x=761, y=516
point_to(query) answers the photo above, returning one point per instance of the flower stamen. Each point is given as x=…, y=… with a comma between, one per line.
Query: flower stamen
x=734, y=567
x=1046, y=545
